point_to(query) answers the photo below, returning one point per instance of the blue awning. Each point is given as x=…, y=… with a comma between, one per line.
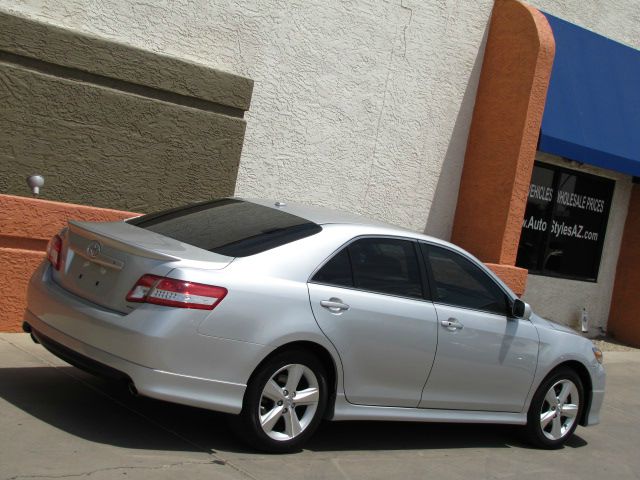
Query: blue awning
x=592, y=114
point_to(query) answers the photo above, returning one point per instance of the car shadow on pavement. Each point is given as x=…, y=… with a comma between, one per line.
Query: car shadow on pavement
x=104, y=412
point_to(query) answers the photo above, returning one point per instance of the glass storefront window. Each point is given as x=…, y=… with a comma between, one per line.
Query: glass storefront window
x=565, y=223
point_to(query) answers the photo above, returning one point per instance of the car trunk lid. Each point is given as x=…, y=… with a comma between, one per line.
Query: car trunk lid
x=101, y=261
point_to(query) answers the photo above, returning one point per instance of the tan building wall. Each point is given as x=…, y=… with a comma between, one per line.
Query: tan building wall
x=359, y=105
x=363, y=105
x=114, y=126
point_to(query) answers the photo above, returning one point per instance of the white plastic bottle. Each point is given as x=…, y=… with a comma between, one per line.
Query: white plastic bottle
x=584, y=320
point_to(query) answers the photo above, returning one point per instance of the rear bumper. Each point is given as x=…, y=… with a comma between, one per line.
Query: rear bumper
x=172, y=387
x=74, y=358
x=158, y=349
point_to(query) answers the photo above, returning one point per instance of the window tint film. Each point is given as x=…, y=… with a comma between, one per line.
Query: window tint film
x=336, y=271
x=229, y=227
x=387, y=266
x=460, y=283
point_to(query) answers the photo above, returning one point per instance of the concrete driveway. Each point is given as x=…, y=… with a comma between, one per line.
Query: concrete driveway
x=58, y=422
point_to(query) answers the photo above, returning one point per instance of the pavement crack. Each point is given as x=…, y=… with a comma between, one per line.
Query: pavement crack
x=336, y=463
x=218, y=459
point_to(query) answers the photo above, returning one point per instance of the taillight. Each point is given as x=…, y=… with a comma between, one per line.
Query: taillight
x=140, y=290
x=176, y=293
x=54, y=251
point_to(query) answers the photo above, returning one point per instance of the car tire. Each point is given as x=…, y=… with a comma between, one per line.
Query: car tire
x=284, y=402
x=555, y=409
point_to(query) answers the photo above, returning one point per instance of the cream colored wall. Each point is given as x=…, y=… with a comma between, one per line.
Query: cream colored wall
x=361, y=105
x=618, y=20
x=561, y=300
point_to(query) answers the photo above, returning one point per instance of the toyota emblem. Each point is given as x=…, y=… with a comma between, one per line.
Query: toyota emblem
x=93, y=249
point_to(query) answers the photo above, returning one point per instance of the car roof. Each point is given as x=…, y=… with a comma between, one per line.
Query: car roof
x=324, y=216
x=319, y=215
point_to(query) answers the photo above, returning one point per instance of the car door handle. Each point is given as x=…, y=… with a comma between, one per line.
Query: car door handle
x=452, y=324
x=334, y=305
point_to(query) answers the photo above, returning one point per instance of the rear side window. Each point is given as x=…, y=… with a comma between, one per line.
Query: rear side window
x=381, y=265
x=230, y=227
x=336, y=271
x=459, y=282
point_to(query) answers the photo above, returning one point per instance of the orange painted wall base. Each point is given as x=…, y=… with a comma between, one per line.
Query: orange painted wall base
x=26, y=225
x=624, y=316
x=514, y=277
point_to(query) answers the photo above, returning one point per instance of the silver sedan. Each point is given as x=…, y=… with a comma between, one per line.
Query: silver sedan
x=284, y=315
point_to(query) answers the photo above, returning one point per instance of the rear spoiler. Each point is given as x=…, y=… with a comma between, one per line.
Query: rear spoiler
x=129, y=239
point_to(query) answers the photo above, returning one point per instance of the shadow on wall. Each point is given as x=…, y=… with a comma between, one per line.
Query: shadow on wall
x=441, y=212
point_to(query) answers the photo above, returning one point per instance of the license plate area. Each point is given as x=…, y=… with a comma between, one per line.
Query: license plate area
x=90, y=279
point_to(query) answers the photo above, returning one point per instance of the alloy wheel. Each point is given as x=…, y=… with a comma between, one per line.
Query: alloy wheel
x=559, y=409
x=288, y=402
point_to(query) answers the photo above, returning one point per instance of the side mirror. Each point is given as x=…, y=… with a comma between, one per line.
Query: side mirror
x=520, y=309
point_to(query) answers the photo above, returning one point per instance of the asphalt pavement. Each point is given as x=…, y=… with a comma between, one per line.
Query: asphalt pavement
x=59, y=422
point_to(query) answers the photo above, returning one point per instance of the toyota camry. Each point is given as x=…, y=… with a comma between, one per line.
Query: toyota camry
x=284, y=315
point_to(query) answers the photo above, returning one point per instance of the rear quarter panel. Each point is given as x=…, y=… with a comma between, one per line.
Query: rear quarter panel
x=268, y=300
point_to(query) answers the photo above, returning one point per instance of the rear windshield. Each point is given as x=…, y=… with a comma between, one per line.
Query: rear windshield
x=230, y=227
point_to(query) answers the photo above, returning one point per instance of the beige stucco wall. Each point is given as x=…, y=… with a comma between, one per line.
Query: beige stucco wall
x=561, y=300
x=615, y=19
x=363, y=105
x=113, y=126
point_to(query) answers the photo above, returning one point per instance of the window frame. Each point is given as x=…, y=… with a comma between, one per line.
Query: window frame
x=424, y=280
x=557, y=171
x=424, y=248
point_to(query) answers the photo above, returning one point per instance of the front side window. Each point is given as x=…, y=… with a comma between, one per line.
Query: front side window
x=382, y=265
x=458, y=282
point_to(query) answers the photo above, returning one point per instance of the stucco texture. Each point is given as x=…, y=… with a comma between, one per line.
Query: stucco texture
x=112, y=126
x=618, y=20
x=514, y=277
x=26, y=225
x=360, y=105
